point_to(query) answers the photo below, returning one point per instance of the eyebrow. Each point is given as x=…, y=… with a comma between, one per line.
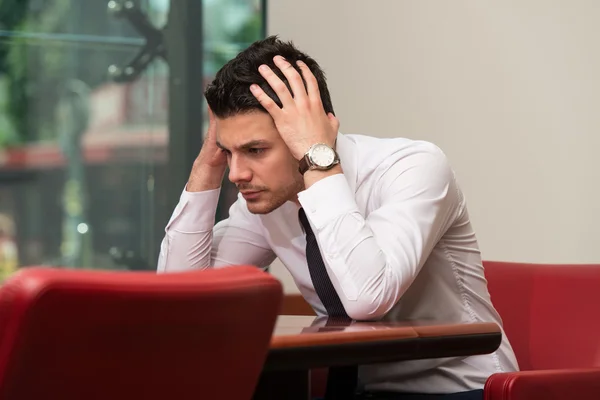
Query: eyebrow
x=219, y=145
x=247, y=145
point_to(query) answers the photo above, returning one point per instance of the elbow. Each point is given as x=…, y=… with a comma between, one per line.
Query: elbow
x=359, y=311
x=370, y=295
x=364, y=311
x=168, y=264
x=372, y=306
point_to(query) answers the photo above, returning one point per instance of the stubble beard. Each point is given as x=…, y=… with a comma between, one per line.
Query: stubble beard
x=278, y=198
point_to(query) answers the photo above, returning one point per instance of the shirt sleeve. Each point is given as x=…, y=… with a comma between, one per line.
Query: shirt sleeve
x=193, y=241
x=373, y=260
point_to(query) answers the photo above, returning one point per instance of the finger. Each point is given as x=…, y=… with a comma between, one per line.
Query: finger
x=293, y=77
x=212, y=120
x=312, y=87
x=265, y=101
x=211, y=115
x=220, y=156
x=277, y=85
x=212, y=123
x=334, y=122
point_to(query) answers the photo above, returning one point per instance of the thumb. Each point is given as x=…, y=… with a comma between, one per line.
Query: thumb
x=212, y=125
x=334, y=122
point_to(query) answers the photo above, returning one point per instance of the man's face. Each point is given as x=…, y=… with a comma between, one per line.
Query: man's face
x=260, y=163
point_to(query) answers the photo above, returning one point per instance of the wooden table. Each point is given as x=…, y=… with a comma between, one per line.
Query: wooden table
x=301, y=343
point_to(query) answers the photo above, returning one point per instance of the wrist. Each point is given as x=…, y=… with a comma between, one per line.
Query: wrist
x=301, y=151
x=313, y=176
x=204, y=177
x=320, y=156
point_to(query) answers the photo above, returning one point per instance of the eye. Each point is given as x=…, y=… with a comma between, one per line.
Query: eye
x=256, y=151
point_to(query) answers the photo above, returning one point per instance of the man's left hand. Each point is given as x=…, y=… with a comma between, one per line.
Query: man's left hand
x=301, y=121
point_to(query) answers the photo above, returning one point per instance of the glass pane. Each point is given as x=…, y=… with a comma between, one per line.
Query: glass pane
x=80, y=154
x=229, y=27
x=73, y=20
x=84, y=156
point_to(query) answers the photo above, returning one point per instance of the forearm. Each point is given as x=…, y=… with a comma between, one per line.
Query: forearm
x=357, y=266
x=373, y=259
x=204, y=177
x=188, y=236
x=192, y=242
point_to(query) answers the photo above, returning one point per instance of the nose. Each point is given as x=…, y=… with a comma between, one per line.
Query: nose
x=238, y=170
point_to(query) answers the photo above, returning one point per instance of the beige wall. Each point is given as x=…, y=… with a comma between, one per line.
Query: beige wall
x=509, y=89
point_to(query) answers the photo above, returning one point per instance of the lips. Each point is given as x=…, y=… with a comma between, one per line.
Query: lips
x=249, y=195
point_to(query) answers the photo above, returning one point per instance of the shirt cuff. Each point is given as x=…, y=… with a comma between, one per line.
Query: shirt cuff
x=327, y=200
x=195, y=212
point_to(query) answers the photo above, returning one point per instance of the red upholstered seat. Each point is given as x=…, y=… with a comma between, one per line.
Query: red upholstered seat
x=551, y=315
x=72, y=335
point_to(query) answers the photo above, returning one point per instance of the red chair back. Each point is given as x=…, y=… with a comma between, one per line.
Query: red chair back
x=69, y=335
x=551, y=313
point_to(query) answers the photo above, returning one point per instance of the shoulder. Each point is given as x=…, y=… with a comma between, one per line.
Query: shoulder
x=400, y=169
x=376, y=157
x=390, y=147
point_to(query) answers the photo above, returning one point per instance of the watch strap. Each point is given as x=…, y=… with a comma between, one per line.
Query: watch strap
x=304, y=164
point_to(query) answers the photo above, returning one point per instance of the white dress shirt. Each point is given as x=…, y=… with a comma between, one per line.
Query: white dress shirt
x=395, y=235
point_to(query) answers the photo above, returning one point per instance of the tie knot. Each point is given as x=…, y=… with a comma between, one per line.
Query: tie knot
x=304, y=221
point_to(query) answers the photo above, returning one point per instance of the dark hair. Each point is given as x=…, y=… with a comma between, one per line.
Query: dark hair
x=229, y=93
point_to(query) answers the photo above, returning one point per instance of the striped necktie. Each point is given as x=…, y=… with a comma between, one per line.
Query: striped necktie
x=341, y=381
x=318, y=273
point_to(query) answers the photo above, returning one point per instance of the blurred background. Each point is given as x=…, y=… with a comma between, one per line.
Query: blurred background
x=101, y=114
x=96, y=143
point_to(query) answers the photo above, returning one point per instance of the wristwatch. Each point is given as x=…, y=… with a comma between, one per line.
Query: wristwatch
x=320, y=157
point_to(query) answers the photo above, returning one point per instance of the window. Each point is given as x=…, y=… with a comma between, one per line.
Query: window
x=93, y=155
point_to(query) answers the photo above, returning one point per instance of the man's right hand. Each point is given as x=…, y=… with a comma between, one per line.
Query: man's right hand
x=209, y=167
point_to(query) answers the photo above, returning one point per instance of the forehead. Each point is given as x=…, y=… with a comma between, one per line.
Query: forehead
x=238, y=129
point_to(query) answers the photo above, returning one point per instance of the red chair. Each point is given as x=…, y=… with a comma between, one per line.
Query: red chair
x=73, y=335
x=551, y=315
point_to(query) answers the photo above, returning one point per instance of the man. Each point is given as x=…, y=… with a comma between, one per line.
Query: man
x=369, y=228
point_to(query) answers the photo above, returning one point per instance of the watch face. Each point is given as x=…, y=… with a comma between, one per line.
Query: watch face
x=322, y=155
